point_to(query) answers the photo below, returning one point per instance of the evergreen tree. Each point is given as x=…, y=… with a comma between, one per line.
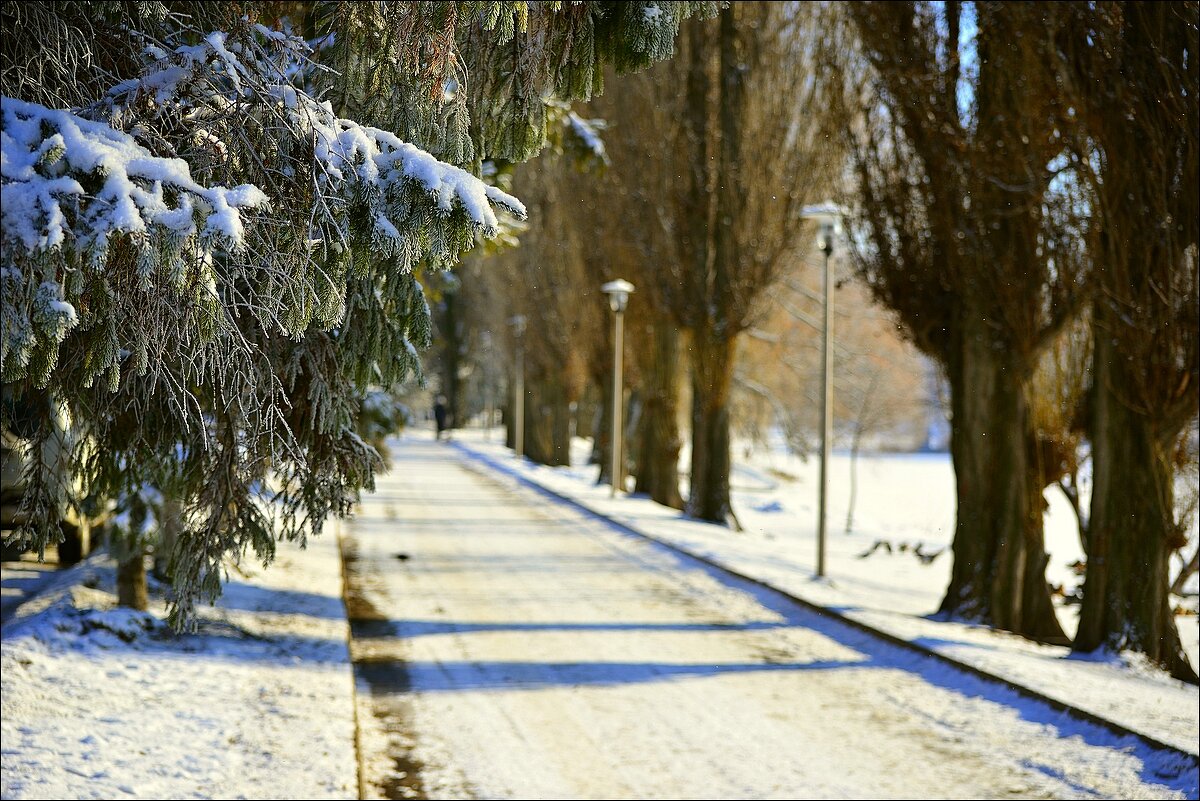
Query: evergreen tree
x=215, y=218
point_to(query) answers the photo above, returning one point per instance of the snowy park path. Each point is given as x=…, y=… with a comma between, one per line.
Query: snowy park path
x=510, y=646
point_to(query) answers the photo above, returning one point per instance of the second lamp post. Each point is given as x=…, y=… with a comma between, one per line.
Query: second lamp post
x=828, y=217
x=618, y=298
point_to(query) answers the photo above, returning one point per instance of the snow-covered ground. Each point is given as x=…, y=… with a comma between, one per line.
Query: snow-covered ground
x=906, y=500
x=100, y=702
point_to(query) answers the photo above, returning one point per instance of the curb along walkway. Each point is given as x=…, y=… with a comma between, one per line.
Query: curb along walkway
x=902, y=630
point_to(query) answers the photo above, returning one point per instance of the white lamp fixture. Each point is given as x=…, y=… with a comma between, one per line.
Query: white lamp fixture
x=828, y=217
x=618, y=294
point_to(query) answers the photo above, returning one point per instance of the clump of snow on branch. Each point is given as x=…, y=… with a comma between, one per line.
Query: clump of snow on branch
x=378, y=158
x=69, y=189
x=46, y=154
x=258, y=67
x=588, y=132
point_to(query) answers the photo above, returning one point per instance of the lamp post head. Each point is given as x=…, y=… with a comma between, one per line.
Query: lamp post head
x=828, y=217
x=618, y=294
x=517, y=321
x=825, y=239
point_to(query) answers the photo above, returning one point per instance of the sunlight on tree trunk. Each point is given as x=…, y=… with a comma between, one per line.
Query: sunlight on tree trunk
x=1132, y=532
x=131, y=581
x=708, y=498
x=998, y=575
x=657, y=441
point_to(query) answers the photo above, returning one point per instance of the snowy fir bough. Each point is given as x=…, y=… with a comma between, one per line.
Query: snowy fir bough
x=376, y=195
x=215, y=222
x=165, y=279
x=73, y=190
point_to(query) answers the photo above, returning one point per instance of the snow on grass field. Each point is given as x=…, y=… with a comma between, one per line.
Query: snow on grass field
x=101, y=702
x=906, y=500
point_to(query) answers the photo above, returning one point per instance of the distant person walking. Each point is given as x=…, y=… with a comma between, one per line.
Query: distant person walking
x=439, y=414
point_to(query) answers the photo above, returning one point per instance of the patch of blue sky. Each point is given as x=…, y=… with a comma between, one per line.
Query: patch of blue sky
x=968, y=53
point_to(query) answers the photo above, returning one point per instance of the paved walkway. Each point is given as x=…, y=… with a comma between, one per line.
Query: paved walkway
x=510, y=646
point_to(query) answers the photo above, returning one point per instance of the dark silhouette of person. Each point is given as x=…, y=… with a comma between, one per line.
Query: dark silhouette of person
x=439, y=414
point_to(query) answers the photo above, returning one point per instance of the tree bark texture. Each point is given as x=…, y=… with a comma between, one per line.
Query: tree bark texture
x=602, y=424
x=657, y=442
x=547, y=421
x=714, y=329
x=712, y=372
x=453, y=347
x=1139, y=82
x=998, y=577
x=131, y=582
x=1132, y=532
x=506, y=418
x=168, y=535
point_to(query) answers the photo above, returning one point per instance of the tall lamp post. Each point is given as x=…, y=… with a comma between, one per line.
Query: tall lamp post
x=827, y=217
x=618, y=298
x=518, y=324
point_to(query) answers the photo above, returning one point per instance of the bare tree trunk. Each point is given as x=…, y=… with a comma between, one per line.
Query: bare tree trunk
x=506, y=419
x=860, y=426
x=712, y=372
x=1132, y=531
x=547, y=422
x=131, y=581
x=658, y=441
x=1000, y=560
x=454, y=347
x=599, y=446
x=854, y=445
x=172, y=524
x=1139, y=82
x=714, y=332
x=602, y=443
x=76, y=541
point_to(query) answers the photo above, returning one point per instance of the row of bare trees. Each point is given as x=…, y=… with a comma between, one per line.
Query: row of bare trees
x=711, y=158
x=1023, y=168
x=1024, y=186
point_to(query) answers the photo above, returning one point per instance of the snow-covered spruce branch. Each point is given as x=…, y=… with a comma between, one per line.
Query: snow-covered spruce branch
x=71, y=186
x=70, y=190
x=255, y=69
x=230, y=328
